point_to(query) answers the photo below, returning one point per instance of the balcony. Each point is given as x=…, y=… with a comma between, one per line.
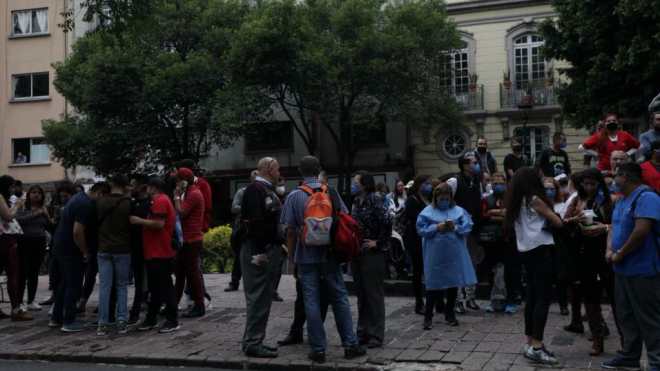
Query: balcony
x=471, y=100
x=536, y=95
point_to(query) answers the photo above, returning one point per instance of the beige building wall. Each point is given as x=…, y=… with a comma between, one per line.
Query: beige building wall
x=24, y=55
x=488, y=23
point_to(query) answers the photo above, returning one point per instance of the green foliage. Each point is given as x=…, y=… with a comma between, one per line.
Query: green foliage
x=157, y=87
x=613, y=47
x=218, y=255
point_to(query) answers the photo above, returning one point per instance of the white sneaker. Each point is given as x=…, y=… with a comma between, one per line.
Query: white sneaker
x=34, y=307
x=189, y=302
x=542, y=356
x=50, y=311
x=207, y=304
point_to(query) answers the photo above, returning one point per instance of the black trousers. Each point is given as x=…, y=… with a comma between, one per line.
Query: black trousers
x=502, y=252
x=69, y=288
x=299, y=316
x=161, y=287
x=539, y=269
x=137, y=267
x=31, y=251
x=369, y=278
x=435, y=296
x=236, y=266
x=414, y=247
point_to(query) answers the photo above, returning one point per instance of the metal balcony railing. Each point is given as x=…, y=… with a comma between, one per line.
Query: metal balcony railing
x=532, y=95
x=470, y=100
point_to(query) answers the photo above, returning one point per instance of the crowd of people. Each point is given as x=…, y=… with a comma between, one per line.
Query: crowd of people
x=535, y=231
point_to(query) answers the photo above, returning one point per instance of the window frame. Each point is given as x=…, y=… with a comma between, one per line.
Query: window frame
x=29, y=155
x=469, y=50
x=32, y=97
x=530, y=140
x=530, y=47
x=13, y=35
x=442, y=137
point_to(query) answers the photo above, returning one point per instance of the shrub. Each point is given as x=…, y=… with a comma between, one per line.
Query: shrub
x=218, y=255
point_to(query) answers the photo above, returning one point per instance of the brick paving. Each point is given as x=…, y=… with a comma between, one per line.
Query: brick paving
x=483, y=341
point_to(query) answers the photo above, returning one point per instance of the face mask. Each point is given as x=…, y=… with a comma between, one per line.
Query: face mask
x=355, y=189
x=443, y=204
x=563, y=145
x=551, y=193
x=482, y=149
x=426, y=190
x=517, y=149
x=476, y=168
x=613, y=126
x=614, y=188
x=280, y=190
x=499, y=189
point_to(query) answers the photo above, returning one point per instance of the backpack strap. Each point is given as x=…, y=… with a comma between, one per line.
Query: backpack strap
x=111, y=210
x=310, y=191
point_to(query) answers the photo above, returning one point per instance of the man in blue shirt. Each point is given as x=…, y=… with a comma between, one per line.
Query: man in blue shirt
x=317, y=268
x=634, y=250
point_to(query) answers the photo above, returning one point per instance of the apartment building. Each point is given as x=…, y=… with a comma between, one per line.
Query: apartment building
x=503, y=82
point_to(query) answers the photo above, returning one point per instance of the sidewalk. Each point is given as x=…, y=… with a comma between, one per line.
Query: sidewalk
x=483, y=341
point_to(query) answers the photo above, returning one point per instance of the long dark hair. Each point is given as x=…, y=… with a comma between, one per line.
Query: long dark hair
x=28, y=202
x=368, y=183
x=417, y=184
x=595, y=174
x=524, y=186
x=6, y=182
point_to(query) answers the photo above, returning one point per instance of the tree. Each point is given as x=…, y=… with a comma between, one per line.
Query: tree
x=613, y=47
x=154, y=90
x=348, y=64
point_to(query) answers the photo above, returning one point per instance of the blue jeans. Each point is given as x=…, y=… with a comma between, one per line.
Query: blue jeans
x=312, y=276
x=113, y=267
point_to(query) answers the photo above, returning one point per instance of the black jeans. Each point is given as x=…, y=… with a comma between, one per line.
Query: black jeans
x=137, y=267
x=69, y=288
x=236, y=266
x=161, y=287
x=502, y=252
x=369, y=278
x=414, y=247
x=91, y=270
x=31, y=251
x=435, y=296
x=539, y=270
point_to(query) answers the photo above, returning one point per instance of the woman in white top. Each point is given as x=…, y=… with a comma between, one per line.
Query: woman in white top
x=530, y=214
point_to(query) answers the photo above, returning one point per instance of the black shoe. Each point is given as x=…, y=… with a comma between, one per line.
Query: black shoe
x=452, y=322
x=48, y=301
x=563, y=310
x=168, y=327
x=354, y=352
x=277, y=297
x=373, y=344
x=428, y=324
x=460, y=309
x=419, y=307
x=231, y=287
x=148, y=325
x=133, y=319
x=260, y=352
x=440, y=307
x=290, y=340
x=576, y=329
x=317, y=357
x=195, y=312
x=4, y=315
x=471, y=304
x=268, y=347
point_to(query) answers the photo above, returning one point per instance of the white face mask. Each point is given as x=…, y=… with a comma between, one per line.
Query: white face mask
x=280, y=190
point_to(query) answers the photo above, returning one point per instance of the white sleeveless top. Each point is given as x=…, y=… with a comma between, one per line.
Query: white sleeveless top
x=529, y=229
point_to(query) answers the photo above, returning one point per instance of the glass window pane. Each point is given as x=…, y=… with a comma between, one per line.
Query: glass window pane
x=22, y=86
x=40, y=85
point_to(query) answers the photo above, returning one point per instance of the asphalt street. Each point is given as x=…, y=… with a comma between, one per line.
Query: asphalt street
x=57, y=366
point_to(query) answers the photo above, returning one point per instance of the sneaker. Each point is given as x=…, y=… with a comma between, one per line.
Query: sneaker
x=102, y=330
x=195, y=312
x=231, y=288
x=50, y=311
x=54, y=324
x=21, y=315
x=168, y=327
x=122, y=328
x=207, y=304
x=147, y=325
x=48, y=301
x=460, y=308
x=541, y=356
x=472, y=305
x=355, y=351
x=133, y=319
x=34, y=307
x=621, y=363
x=511, y=308
x=490, y=308
x=73, y=327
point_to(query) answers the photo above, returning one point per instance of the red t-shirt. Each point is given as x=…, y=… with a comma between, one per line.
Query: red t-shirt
x=192, y=215
x=158, y=242
x=651, y=175
x=604, y=146
x=205, y=188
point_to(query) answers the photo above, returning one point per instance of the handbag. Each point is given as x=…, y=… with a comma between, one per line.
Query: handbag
x=11, y=227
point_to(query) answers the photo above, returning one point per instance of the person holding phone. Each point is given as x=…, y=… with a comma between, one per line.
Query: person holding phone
x=444, y=227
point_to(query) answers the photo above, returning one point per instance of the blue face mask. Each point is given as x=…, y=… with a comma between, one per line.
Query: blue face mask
x=499, y=189
x=551, y=193
x=476, y=168
x=426, y=190
x=614, y=188
x=355, y=189
x=563, y=145
x=443, y=204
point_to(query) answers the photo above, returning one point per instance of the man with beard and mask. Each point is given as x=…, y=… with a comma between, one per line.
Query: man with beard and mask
x=484, y=157
x=609, y=140
x=653, y=134
x=554, y=161
x=516, y=160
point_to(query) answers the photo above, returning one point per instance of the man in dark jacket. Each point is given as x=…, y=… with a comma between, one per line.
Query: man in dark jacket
x=554, y=161
x=484, y=158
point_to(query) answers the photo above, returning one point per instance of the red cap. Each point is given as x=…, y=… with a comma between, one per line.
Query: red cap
x=185, y=174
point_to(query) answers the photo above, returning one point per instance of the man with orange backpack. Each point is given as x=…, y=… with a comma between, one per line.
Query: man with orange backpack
x=310, y=216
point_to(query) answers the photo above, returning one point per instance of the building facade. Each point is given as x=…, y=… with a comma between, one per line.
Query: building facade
x=503, y=82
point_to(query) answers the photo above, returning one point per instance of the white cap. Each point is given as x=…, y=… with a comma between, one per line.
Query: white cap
x=561, y=177
x=410, y=184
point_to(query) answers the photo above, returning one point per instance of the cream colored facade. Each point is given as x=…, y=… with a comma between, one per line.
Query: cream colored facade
x=490, y=28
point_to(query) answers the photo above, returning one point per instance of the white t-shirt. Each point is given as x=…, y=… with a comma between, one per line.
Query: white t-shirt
x=530, y=232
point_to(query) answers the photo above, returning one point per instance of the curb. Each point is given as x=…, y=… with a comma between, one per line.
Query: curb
x=259, y=364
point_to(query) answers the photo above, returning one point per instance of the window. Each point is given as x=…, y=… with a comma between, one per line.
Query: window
x=453, y=145
x=455, y=74
x=535, y=140
x=528, y=62
x=29, y=22
x=370, y=135
x=34, y=85
x=270, y=136
x=30, y=151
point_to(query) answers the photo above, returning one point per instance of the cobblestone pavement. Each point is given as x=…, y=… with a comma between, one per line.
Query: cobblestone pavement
x=483, y=341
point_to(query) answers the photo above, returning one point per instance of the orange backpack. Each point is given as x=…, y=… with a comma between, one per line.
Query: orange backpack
x=318, y=217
